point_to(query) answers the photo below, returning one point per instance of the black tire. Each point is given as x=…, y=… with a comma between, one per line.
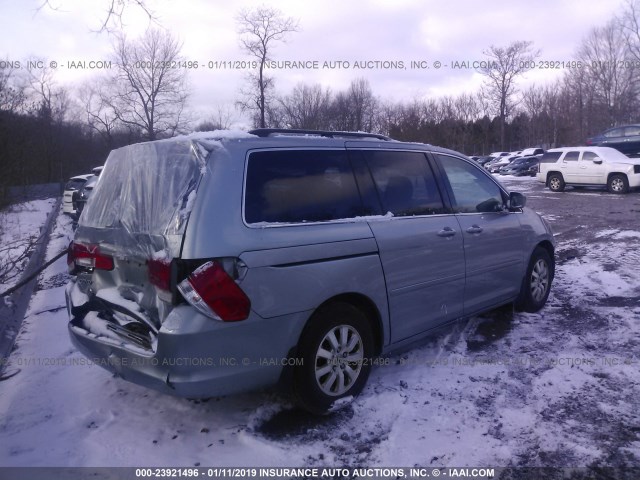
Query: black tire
x=322, y=380
x=536, y=284
x=555, y=182
x=618, y=183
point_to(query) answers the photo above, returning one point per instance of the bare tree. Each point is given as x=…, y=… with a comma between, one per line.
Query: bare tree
x=259, y=29
x=533, y=103
x=221, y=120
x=114, y=11
x=356, y=108
x=48, y=100
x=629, y=22
x=389, y=116
x=552, y=95
x=502, y=68
x=363, y=105
x=150, y=93
x=613, y=80
x=99, y=114
x=307, y=107
x=466, y=110
x=12, y=90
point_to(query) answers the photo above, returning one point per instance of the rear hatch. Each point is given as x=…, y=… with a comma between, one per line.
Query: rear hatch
x=128, y=235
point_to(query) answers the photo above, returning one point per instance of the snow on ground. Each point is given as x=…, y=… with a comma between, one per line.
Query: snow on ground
x=19, y=225
x=555, y=388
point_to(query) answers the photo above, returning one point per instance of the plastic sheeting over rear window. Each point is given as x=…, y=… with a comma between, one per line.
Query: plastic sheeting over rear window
x=146, y=190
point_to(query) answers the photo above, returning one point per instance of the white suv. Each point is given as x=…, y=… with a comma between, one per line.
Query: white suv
x=589, y=166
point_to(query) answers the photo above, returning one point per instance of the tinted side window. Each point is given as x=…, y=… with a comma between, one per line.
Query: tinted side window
x=405, y=183
x=550, y=157
x=631, y=131
x=74, y=184
x=473, y=191
x=300, y=186
x=616, y=132
x=571, y=157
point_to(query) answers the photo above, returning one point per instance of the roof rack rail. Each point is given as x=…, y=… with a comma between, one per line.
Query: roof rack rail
x=266, y=132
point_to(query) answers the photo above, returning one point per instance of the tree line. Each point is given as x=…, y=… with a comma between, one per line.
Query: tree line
x=49, y=132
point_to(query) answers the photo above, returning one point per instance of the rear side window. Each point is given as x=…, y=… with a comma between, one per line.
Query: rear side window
x=404, y=182
x=616, y=132
x=550, y=157
x=292, y=186
x=74, y=184
x=571, y=157
x=471, y=189
x=631, y=131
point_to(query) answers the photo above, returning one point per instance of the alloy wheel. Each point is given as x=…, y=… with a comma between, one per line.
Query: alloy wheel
x=339, y=360
x=539, y=280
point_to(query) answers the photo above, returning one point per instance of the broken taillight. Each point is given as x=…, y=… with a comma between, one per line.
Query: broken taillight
x=89, y=256
x=160, y=273
x=214, y=293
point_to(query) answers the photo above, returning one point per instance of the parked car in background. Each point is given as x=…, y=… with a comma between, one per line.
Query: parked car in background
x=290, y=256
x=625, y=138
x=483, y=160
x=81, y=196
x=73, y=185
x=499, y=154
x=532, y=171
x=97, y=170
x=494, y=167
x=520, y=166
x=527, y=152
x=589, y=166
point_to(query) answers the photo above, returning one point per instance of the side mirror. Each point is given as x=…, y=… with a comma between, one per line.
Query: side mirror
x=517, y=200
x=597, y=160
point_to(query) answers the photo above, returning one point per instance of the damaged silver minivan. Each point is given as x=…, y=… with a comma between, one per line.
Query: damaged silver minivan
x=221, y=262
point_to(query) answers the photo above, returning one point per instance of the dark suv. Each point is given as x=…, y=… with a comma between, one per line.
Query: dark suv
x=226, y=261
x=625, y=138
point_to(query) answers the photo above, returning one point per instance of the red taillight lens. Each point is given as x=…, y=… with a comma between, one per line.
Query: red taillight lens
x=214, y=293
x=88, y=256
x=160, y=273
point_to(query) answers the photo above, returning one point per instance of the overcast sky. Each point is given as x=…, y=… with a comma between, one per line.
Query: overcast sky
x=331, y=31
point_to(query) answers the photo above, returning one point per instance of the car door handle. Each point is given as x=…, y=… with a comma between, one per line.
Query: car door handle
x=447, y=232
x=474, y=229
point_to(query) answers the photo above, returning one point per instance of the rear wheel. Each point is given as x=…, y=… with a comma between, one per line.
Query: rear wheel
x=336, y=349
x=537, y=282
x=618, y=184
x=556, y=182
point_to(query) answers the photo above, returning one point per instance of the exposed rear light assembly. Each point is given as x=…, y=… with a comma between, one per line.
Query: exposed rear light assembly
x=81, y=256
x=212, y=291
x=160, y=273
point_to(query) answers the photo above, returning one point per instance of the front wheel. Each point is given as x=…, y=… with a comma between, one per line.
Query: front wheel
x=556, y=182
x=336, y=349
x=618, y=184
x=537, y=282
